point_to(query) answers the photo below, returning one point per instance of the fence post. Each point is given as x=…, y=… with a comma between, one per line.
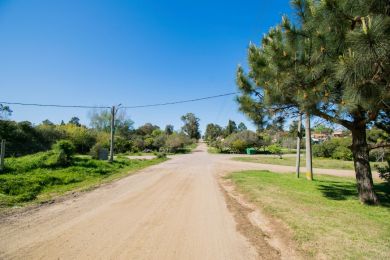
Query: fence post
x=2, y=154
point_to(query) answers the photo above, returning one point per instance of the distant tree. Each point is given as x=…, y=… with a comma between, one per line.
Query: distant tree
x=230, y=128
x=82, y=137
x=47, y=122
x=241, y=127
x=213, y=131
x=293, y=129
x=177, y=141
x=191, y=125
x=75, y=121
x=169, y=129
x=101, y=121
x=239, y=141
x=276, y=125
x=62, y=122
x=146, y=129
x=323, y=129
x=5, y=111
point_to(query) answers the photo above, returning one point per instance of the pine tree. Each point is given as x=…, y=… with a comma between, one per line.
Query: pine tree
x=332, y=63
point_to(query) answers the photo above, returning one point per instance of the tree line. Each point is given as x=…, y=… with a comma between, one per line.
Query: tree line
x=24, y=138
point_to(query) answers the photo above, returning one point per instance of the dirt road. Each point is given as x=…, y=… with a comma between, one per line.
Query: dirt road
x=174, y=210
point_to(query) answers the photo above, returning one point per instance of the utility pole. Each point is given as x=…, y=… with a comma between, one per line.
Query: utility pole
x=309, y=167
x=2, y=154
x=114, y=110
x=299, y=137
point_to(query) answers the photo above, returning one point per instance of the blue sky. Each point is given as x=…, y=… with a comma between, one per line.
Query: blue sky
x=130, y=52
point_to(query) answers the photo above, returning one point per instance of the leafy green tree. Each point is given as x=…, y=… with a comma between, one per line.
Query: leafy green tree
x=75, y=121
x=146, y=129
x=5, y=111
x=321, y=128
x=239, y=141
x=293, y=129
x=21, y=138
x=213, y=131
x=169, y=129
x=82, y=137
x=230, y=128
x=176, y=141
x=191, y=126
x=47, y=122
x=241, y=127
x=333, y=63
x=100, y=120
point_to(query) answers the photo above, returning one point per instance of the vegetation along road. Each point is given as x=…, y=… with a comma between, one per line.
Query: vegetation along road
x=174, y=210
x=183, y=208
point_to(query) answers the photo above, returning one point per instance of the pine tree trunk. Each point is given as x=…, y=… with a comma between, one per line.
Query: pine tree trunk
x=309, y=167
x=364, y=181
x=299, y=136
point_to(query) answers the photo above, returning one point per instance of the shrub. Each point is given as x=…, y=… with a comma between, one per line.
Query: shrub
x=66, y=151
x=161, y=155
x=337, y=148
x=275, y=149
x=238, y=142
x=384, y=172
x=342, y=153
x=239, y=145
x=175, y=142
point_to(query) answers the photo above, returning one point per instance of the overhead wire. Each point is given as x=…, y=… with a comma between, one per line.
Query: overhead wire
x=126, y=107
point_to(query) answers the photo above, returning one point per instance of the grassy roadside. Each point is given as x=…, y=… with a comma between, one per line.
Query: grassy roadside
x=213, y=150
x=325, y=216
x=29, y=180
x=324, y=163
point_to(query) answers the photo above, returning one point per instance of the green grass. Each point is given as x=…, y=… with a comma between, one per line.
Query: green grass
x=325, y=215
x=34, y=178
x=135, y=154
x=213, y=150
x=324, y=163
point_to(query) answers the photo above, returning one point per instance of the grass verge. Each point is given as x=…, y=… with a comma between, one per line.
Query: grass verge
x=213, y=150
x=30, y=179
x=325, y=216
x=323, y=163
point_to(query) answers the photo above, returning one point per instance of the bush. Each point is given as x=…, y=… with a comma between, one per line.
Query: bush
x=175, y=142
x=342, y=153
x=275, y=149
x=238, y=142
x=337, y=148
x=384, y=172
x=161, y=155
x=66, y=151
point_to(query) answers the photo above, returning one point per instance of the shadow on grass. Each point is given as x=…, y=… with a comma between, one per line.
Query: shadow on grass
x=345, y=190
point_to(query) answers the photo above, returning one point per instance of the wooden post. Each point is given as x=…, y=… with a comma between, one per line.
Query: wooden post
x=111, y=159
x=299, y=137
x=309, y=167
x=2, y=154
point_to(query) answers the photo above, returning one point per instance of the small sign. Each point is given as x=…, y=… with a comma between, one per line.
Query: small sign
x=103, y=154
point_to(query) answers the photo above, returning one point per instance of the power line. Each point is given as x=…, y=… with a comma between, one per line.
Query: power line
x=127, y=107
x=182, y=101
x=50, y=105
